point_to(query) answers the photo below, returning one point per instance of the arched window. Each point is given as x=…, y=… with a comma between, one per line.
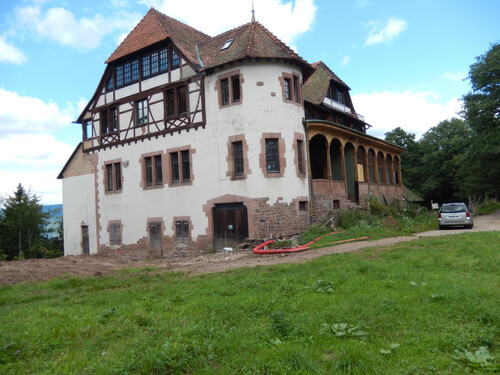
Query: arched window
x=317, y=153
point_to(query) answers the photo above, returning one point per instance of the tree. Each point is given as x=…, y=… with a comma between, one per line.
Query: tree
x=22, y=223
x=410, y=159
x=445, y=149
x=482, y=112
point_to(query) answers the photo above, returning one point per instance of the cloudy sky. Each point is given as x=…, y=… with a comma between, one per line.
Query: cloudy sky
x=405, y=62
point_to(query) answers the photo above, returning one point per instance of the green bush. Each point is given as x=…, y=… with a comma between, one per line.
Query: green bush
x=488, y=207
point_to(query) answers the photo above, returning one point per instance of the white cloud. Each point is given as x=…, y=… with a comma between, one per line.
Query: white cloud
x=33, y=151
x=9, y=53
x=414, y=112
x=285, y=19
x=25, y=114
x=42, y=183
x=385, y=32
x=345, y=60
x=457, y=76
x=60, y=25
x=34, y=161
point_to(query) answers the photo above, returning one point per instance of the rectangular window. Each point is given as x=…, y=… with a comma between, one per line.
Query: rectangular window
x=174, y=161
x=87, y=129
x=176, y=101
x=340, y=97
x=186, y=167
x=272, y=155
x=113, y=177
x=115, y=234
x=109, y=120
x=153, y=171
x=109, y=85
x=127, y=73
x=300, y=161
x=286, y=83
x=296, y=89
x=302, y=205
x=146, y=68
x=224, y=83
x=182, y=230
x=229, y=88
x=163, y=60
x=141, y=109
x=336, y=204
x=235, y=81
x=180, y=164
x=175, y=60
x=238, y=159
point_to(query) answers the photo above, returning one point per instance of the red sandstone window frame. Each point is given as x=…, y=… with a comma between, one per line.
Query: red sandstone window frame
x=152, y=170
x=113, y=176
x=180, y=166
x=291, y=88
x=182, y=227
x=300, y=156
x=115, y=230
x=263, y=159
x=229, y=88
x=231, y=162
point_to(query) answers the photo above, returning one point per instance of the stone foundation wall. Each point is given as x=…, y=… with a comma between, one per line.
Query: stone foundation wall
x=278, y=219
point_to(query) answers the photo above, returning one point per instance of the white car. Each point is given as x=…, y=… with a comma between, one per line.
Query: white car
x=455, y=214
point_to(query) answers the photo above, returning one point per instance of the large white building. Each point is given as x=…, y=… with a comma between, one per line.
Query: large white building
x=193, y=142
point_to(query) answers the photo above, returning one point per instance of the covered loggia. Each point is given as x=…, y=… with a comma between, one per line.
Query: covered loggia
x=388, y=169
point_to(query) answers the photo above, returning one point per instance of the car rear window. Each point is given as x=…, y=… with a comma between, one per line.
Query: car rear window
x=453, y=208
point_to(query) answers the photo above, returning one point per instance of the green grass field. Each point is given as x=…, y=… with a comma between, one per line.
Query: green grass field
x=430, y=306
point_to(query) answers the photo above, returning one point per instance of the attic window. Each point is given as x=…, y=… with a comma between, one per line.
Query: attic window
x=227, y=44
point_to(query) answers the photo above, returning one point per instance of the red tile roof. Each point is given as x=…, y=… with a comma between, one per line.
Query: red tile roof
x=251, y=40
x=156, y=27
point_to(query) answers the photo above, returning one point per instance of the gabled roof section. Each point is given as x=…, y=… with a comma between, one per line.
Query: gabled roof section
x=156, y=27
x=251, y=40
x=317, y=84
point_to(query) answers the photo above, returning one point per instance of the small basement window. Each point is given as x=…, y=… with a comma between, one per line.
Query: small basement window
x=227, y=44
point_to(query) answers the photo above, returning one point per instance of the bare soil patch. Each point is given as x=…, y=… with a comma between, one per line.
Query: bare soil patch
x=33, y=270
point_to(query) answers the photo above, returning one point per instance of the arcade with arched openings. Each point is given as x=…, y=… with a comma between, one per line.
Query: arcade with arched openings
x=346, y=166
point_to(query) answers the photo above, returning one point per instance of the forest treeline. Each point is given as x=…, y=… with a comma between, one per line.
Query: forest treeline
x=459, y=159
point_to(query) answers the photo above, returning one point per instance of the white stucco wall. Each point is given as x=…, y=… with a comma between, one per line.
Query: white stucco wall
x=262, y=111
x=78, y=210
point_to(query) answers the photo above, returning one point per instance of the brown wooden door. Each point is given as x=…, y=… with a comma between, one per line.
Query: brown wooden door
x=230, y=225
x=155, y=238
x=85, y=240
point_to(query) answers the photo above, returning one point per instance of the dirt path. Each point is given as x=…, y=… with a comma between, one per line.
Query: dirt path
x=84, y=266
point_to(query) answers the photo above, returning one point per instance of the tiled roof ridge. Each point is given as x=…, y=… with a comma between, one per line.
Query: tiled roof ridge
x=250, y=38
x=176, y=20
x=230, y=31
x=158, y=20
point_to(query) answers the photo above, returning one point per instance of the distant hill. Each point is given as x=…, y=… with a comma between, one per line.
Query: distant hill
x=56, y=208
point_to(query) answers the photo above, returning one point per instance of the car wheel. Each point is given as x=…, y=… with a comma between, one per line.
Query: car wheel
x=468, y=226
x=441, y=227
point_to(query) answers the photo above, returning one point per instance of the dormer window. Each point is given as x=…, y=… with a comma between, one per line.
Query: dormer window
x=336, y=94
x=227, y=44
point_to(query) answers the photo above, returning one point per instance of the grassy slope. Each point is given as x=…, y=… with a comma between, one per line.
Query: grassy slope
x=416, y=305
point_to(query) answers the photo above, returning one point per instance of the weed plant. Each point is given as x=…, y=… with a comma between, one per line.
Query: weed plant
x=429, y=306
x=488, y=207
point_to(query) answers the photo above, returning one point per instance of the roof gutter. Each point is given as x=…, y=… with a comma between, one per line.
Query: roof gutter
x=198, y=56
